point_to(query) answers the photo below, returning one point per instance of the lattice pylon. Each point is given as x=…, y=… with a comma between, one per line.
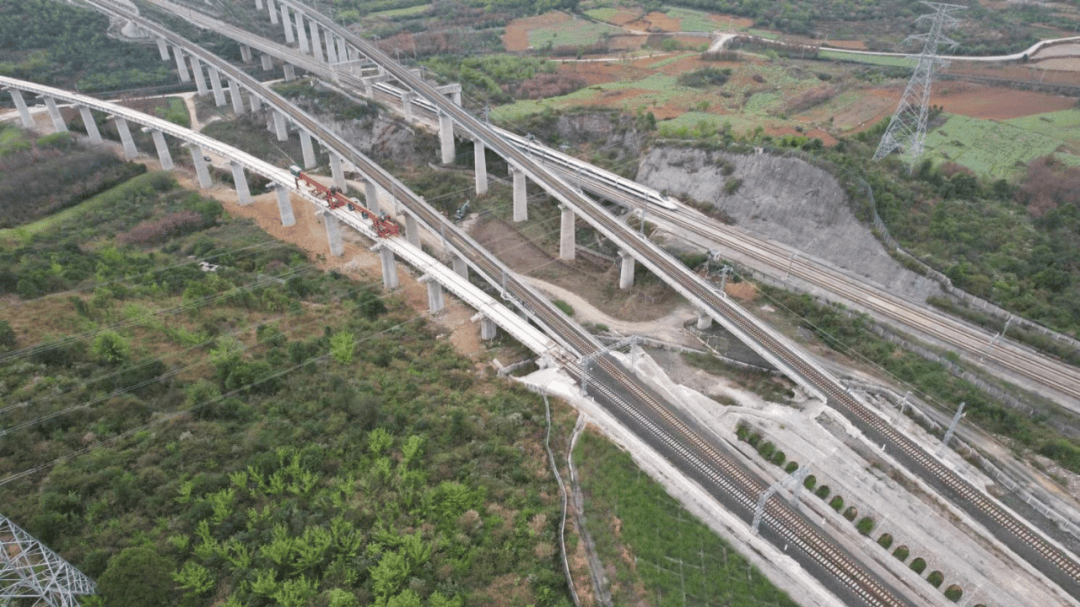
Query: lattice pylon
x=907, y=129
x=29, y=570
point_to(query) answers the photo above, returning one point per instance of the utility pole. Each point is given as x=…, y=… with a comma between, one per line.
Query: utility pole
x=907, y=129
x=797, y=477
x=952, y=428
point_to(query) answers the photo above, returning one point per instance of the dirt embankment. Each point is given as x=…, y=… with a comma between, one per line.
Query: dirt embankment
x=785, y=200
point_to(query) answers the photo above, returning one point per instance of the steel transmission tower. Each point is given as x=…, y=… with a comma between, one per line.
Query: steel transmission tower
x=29, y=570
x=907, y=129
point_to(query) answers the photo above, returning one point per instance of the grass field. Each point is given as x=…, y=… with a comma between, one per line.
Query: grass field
x=603, y=14
x=401, y=12
x=1001, y=149
x=660, y=554
x=691, y=20
x=576, y=32
x=868, y=59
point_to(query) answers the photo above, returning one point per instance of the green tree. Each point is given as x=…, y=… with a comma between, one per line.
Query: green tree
x=342, y=346
x=7, y=335
x=111, y=347
x=137, y=577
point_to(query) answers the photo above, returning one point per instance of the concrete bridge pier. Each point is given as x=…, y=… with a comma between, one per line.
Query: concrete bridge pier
x=704, y=321
x=290, y=72
x=272, y=9
x=342, y=50
x=91, y=126
x=521, y=202
x=237, y=97
x=130, y=151
x=215, y=84
x=316, y=41
x=301, y=34
x=256, y=103
x=337, y=171
x=54, y=114
x=446, y=138
x=280, y=128
x=333, y=233
x=488, y=328
x=243, y=192
x=567, y=237
x=24, y=112
x=162, y=150
x=480, y=164
x=163, y=49
x=245, y=53
x=201, y=168
x=406, y=105
x=200, y=78
x=290, y=37
x=461, y=268
x=267, y=63
x=181, y=65
x=331, y=47
x=308, y=149
x=389, y=267
x=371, y=196
x=626, y=272
x=412, y=230
x=436, y=301
x=284, y=204
x=259, y=4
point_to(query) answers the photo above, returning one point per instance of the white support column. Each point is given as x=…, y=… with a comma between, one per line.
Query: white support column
x=258, y=4
x=412, y=230
x=290, y=37
x=245, y=53
x=256, y=103
x=215, y=84
x=521, y=202
x=272, y=9
x=284, y=204
x=333, y=234
x=316, y=41
x=181, y=65
x=267, y=63
x=162, y=150
x=626, y=273
x=436, y=301
x=389, y=268
x=704, y=321
x=331, y=47
x=460, y=266
x=480, y=167
x=567, y=237
x=54, y=114
x=280, y=127
x=337, y=171
x=200, y=77
x=371, y=196
x=446, y=138
x=290, y=71
x=24, y=112
x=200, y=167
x=342, y=50
x=488, y=329
x=301, y=34
x=91, y=127
x=406, y=105
x=237, y=97
x=130, y=151
x=243, y=192
x=308, y=149
x=163, y=49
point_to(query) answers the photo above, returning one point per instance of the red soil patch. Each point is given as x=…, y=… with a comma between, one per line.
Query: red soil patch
x=668, y=111
x=623, y=17
x=656, y=22
x=516, y=38
x=731, y=22
x=627, y=42
x=995, y=103
x=601, y=72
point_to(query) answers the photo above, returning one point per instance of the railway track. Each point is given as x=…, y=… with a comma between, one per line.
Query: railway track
x=579, y=343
